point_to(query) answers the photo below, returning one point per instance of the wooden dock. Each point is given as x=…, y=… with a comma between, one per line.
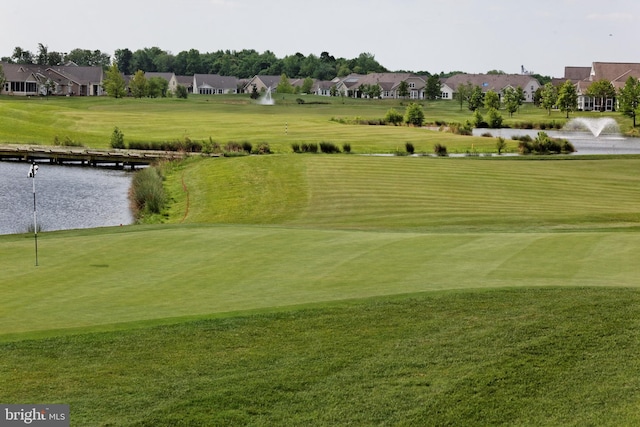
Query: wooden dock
x=83, y=156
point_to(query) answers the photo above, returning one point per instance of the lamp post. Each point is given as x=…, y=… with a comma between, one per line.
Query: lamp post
x=32, y=174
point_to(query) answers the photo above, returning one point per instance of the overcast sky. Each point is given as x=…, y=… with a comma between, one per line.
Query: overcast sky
x=473, y=36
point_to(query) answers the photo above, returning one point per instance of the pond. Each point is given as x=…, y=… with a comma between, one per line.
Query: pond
x=584, y=142
x=67, y=197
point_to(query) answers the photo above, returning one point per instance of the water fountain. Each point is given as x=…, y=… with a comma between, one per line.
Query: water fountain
x=267, y=99
x=594, y=125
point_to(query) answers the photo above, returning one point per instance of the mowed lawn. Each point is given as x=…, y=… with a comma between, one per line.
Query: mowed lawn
x=337, y=290
x=273, y=231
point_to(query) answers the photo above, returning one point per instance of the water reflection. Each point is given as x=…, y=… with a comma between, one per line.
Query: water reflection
x=67, y=197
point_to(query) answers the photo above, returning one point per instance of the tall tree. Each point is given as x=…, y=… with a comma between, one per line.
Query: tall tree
x=549, y=97
x=464, y=92
x=284, y=86
x=123, y=59
x=491, y=100
x=629, y=97
x=602, y=90
x=43, y=55
x=511, y=100
x=113, y=82
x=433, y=89
x=403, y=89
x=89, y=58
x=21, y=56
x=476, y=98
x=567, y=98
x=138, y=85
x=307, y=85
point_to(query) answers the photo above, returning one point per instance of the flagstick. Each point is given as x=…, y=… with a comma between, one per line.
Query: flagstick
x=32, y=174
x=35, y=221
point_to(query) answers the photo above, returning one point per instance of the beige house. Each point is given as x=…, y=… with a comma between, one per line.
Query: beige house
x=66, y=80
x=616, y=73
x=495, y=82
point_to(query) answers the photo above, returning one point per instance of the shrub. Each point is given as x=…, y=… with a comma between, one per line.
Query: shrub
x=247, y=147
x=487, y=135
x=263, y=148
x=440, y=150
x=501, y=144
x=461, y=129
x=495, y=119
x=311, y=147
x=295, y=147
x=414, y=115
x=300, y=100
x=329, y=147
x=409, y=147
x=346, y=147
x=393, y=117
x=147, y=193
x=233, y=147
x=117, y=138
x=478, y=120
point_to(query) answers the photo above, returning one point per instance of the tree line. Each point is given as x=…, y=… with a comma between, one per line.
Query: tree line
x=244, y=63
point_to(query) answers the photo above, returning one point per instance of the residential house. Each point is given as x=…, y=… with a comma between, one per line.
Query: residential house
x=353, y=85
x=262, y=83
x=616, y=73
x=496, y=82
x=23, y=80
x=214, y=84
x=186, y=81
x=19, y=80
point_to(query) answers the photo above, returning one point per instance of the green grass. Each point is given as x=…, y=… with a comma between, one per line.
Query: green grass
x=509, y=357
x=90, y=121
x=329, y=289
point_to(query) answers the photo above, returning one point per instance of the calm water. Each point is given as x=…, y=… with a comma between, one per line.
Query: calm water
x=67, y=197
x=584, y=142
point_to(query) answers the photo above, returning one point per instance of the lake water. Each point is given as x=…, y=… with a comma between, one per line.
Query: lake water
x=67, y=197
x=584, y=142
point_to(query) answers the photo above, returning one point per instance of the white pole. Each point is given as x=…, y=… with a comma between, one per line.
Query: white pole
x=32, y=174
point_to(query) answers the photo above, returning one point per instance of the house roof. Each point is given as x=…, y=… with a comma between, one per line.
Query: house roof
x=17, y=72
x=216, y=81
x=576, y=73
x=166, y=76
x=615, y=72
x=495, y=82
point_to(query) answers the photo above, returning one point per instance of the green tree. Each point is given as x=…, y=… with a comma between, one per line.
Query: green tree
x=512, y=100
x=464, y=92
x=433, y=89
x=113, y=82
x=182, y=92
x=157, y=87
x=567, y=98
x=476, y=98
x=548, y=97
x=403, y=89
x=117, y=138
x=495, y=118
x=414, y=115
x=307, y=85
x=491, y=100
x=284, y=86
x=603, y=90
x=138, y=85
x=629, y=98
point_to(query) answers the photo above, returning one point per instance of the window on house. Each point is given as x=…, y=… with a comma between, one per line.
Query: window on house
x=412, y=85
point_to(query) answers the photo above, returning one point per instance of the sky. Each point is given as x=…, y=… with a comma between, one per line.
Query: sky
x=472, y=36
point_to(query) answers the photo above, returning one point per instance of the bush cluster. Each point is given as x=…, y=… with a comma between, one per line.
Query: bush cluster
x=543, y=144
x=185, y=145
